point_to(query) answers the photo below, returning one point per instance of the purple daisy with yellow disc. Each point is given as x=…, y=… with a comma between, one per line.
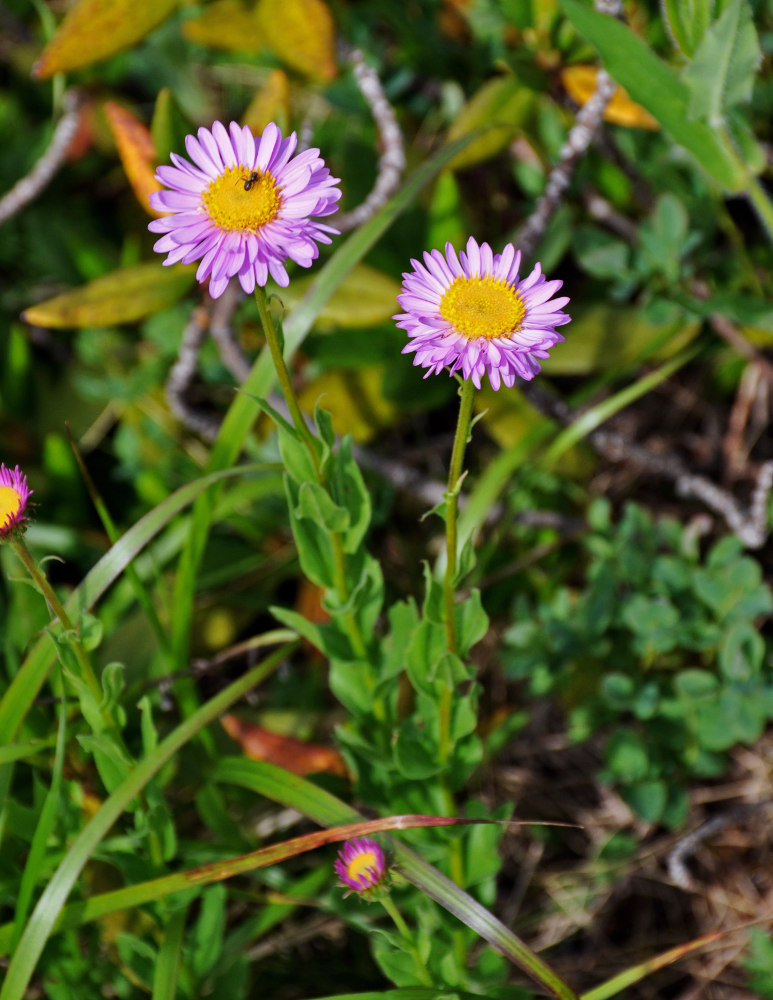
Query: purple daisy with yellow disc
x=473, y=314
x=244, y=206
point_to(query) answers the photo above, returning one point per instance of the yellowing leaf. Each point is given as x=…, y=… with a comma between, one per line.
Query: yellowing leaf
x=366, y=297
x=226, y=24
x=500, y=108
x=302, y=34
x=270, y=104
x=354, y=399
x=95, y=29
x=580, y=83
x=124, y=296
x=136, y=150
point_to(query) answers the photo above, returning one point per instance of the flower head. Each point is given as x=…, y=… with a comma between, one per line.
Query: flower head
x=14, y=494
x=473, y=314
x=243, y=206
x=361, y=865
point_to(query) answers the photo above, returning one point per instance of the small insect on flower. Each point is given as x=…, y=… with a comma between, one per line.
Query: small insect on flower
x=243, y=206
x=361, y=865
x=14, y=494
x=473, y=314
x=249, y=181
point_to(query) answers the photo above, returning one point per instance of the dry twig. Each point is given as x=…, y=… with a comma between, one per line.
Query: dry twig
x=28, y=188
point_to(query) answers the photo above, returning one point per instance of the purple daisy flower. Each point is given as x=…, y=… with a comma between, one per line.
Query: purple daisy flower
x=360, y=865
x=473, y=314
x=14, y=494
x=243, y=206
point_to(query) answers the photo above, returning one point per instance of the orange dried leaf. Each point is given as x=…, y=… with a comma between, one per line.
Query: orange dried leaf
x=285, y=751
x=95, y=29
x=226, y=24
x=580, y=82
x=137, y=152
x=270, y=104
x=302, y=34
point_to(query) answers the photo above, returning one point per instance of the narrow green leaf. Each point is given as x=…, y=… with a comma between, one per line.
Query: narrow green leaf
x=658, y=88
x=46, y=823
x=41, y=923
x=687, y=21
x=25, y=686
x=169, y=957
x=722, y=73
x=596, y=415
x=20, y=751
x=408, y=993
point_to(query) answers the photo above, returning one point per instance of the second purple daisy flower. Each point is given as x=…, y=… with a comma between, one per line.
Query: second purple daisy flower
x=473, y=314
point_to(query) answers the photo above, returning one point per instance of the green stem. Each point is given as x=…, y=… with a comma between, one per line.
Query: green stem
x=55, y=604
x=466, y=393
x=87, y=671
x=285, y=382
x=339, y=556
x=405, y=934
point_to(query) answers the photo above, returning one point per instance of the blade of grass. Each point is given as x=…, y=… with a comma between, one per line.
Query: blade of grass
x=169, y=958
x=143, y=597
x=266, y=779
x=612, y=987
x=25, y=686
x=45, y=914
x=20, y=751
x=45, y=825
x=434, y=884
x=132, y=896
x=408, y=993
x=596, y=415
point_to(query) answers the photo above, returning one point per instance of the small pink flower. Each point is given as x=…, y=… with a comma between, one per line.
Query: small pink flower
x=14, y=494
x=473, y=314
x=361, y=865
x=243, y=206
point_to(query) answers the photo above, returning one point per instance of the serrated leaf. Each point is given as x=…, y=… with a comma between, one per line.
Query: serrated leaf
x=580, y=84
x=226, y=24
x=721, y=75
x=137, y=152
x=124, y=296
x=658, y=88
x=687, y=21
x=302, y=34
x=500, y=108
x=96, y=29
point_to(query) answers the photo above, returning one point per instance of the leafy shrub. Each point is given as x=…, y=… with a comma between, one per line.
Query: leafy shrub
x=661, y=650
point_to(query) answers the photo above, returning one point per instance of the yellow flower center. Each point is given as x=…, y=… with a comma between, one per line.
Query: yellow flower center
x=482, y=307
x=359, y=866
x=237, y=203
x=10, y=502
